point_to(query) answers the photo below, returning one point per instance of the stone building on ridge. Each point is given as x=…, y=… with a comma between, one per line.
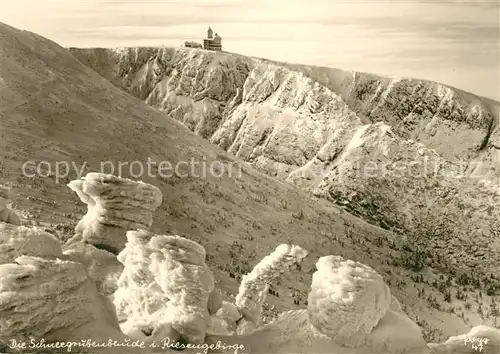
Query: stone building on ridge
x=212, y=42
x=188, y=44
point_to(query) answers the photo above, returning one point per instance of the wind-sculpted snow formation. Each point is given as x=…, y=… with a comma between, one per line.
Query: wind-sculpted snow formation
x=348, y=312
x=138, y=297
x=115, y=205
x=347, y=300
x=245, y=314
x=164, y=291
x=54, y=300
x=7, y=215
x=181, y=272
x=103, y=266
x=350, y=304
x=254, y=286
x=165, y=285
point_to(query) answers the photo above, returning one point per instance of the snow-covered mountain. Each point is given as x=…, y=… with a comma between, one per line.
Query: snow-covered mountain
x=412, y=156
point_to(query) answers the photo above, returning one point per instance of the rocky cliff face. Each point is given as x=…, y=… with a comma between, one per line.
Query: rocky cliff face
x=412, y=156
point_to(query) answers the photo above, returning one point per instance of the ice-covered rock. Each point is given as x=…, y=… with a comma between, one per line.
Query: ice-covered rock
x=179, y=268
x=292, y=332
x=347, y=300
x=396, y=333
x=348, y=313
x=480, y=339
x=164, y=288
x=16, y=241
x=115, y=205
x=54, y=300
x=254, y=286
x=139, y=298
x=7, y=215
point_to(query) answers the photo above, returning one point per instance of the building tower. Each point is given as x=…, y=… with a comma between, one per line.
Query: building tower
x=211, y=42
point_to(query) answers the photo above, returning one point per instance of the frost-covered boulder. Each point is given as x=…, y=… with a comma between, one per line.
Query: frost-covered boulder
x=245, y=314
x=292, y=332
x=115, y=205
x=254, y=286
x=164, y=288
x=16, y=241
x=179, y=268
x=347, y=300
x=480, y=339
x=7, y=215
x=54, y=300
x=139, y=298
x=349, y=312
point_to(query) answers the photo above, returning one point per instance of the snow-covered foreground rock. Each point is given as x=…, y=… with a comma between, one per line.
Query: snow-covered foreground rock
x=165, y=286
x=54, y=300
x=348, y=312
x=165, y=290
x=347, y=300
x=254, y=286
x=115, y=205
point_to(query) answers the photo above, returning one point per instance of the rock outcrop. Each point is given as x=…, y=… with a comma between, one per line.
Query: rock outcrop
x=7, y=215
x=254, y=286
x=115, y=205
x=181, y=272
x=347, y=300
x=348, y=312
x=54, y=300
x=103, y=266
x=165, y=286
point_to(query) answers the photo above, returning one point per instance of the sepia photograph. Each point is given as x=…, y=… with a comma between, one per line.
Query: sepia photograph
x=250, y=176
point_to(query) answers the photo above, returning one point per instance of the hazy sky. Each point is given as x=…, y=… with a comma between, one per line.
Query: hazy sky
x=454, y=42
